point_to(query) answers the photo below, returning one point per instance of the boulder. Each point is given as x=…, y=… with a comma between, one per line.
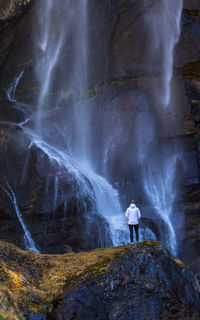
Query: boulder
x=138, y=281
x=146, y=282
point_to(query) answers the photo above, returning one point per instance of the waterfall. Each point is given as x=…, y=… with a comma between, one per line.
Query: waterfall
x=61, y=21
x=61, y=124
x=28, y=240
x=92, y=185
x=163, y=25
x=66, y=73
x=159, y=160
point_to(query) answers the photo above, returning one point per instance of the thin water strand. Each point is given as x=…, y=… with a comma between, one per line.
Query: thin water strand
x=13, y=87
x=161, y=193
x=29, y=242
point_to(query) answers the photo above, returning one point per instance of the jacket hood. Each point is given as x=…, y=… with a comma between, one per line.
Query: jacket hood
x=132, y=205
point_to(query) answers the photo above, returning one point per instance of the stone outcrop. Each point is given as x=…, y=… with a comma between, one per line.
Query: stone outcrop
x=31, y=284
x=140, y=281
x=144, y=283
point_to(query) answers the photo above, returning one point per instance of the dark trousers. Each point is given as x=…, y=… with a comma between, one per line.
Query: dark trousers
x=136, y=226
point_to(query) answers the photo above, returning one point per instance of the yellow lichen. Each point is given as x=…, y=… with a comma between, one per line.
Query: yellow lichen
x=16, y=280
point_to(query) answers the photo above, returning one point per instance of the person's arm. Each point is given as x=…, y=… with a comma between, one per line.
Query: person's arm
x=126, y=214
x=139, y=214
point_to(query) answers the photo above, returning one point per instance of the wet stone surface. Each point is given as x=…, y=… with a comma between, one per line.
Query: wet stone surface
x=143, y=284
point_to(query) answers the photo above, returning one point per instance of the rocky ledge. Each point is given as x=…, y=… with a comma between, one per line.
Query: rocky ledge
x=142, y=281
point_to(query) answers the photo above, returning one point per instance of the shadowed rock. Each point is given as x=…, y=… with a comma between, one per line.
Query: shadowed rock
x=145, y=283
x=141, y=282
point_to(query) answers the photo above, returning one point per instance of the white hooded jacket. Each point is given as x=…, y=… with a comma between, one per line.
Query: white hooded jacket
x=133, y=214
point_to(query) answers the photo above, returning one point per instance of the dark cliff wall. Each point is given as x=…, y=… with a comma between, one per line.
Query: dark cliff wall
x=187, y=65
x=191, y=4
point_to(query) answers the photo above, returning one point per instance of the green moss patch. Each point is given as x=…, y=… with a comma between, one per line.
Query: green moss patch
x=151, y=244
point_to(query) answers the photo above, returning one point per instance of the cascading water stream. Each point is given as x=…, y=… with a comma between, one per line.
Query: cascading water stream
x=49, y=41
x=28, y=240
x=160, y=189
x=64, y=19
x=13, y=86
x=92, y=185
x=163, y=25
x=159, y=173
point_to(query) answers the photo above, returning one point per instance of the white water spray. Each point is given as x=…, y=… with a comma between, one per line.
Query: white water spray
x=159, y=172
x=98, y=189
x=49, y=41
x=58, y=21
x=159, y=187
x=163, y=24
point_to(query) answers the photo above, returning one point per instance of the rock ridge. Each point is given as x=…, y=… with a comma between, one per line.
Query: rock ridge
x=140, y=281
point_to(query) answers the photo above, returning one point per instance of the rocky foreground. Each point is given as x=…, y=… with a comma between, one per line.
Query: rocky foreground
x=142, y=281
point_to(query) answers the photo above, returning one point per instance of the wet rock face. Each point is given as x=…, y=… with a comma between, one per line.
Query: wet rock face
x=188, y=47
x=191, y=243
x=187, y=62
x=144, y=283
x=12, y=8
x=10, y=13
x=59, y=215
x=191, y=4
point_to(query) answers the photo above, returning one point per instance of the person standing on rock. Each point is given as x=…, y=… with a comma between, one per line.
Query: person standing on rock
x=133, y=216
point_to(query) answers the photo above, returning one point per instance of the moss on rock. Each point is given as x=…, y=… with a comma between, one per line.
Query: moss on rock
x=33, y=283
